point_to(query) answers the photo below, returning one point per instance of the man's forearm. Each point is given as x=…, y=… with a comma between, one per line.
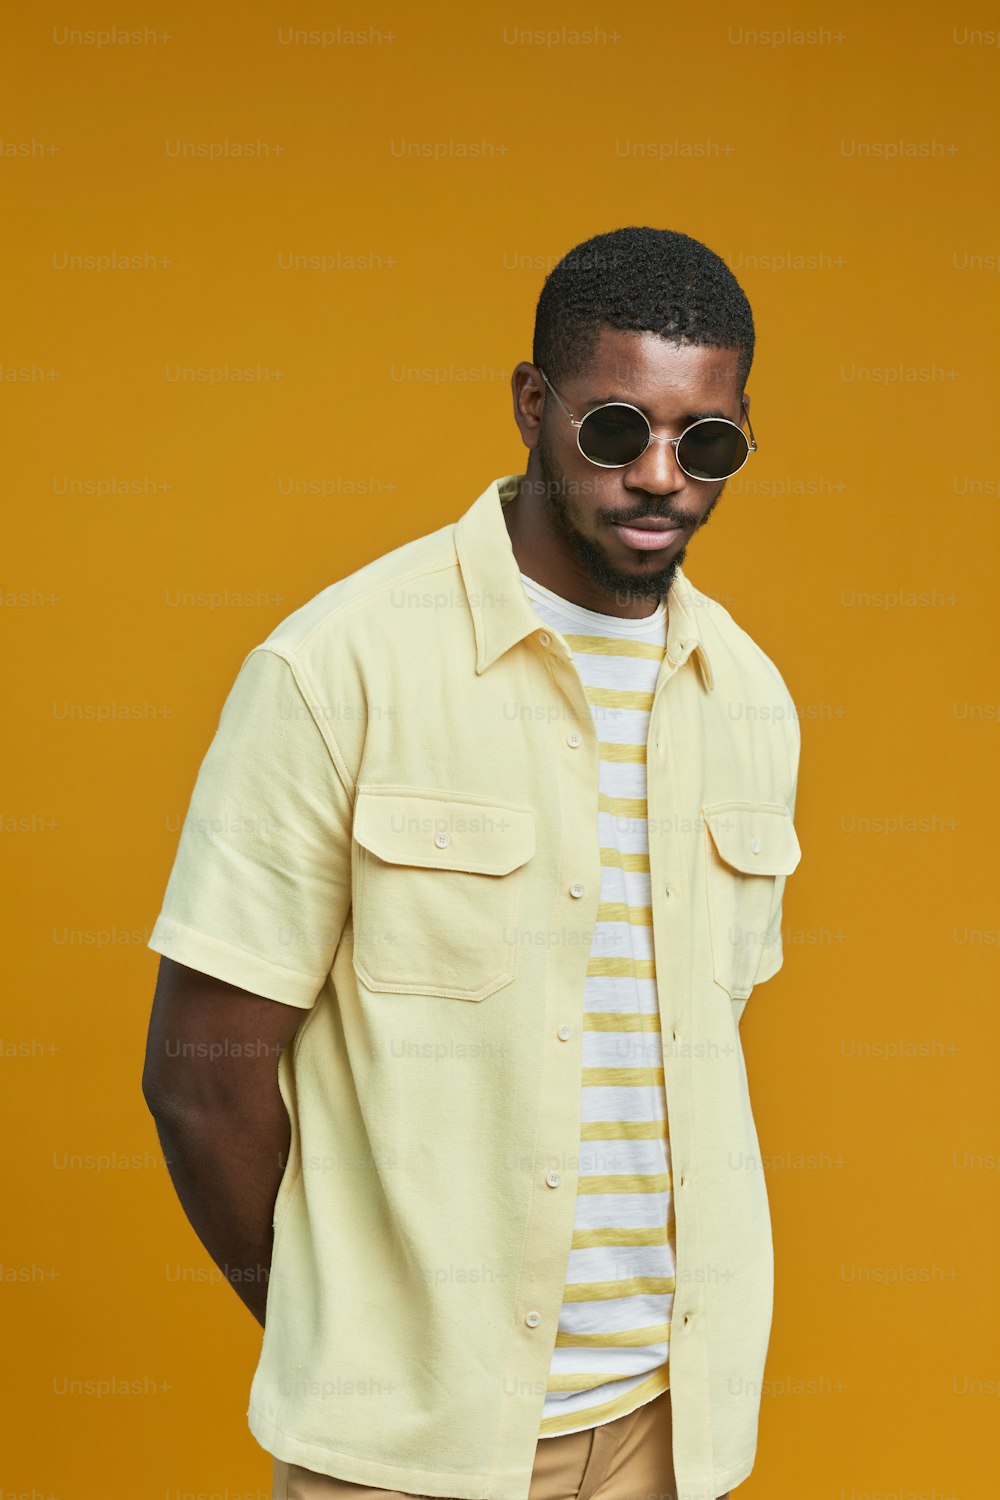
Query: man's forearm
x=226, y=1165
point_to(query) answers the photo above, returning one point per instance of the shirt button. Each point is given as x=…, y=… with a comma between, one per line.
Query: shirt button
x=755, y=845
x=564, y=1033
x=687, y=1319
x=577, y=888
x=442, y=840
x=533, y=1319
x=573, y=739
x=544, y=637
x=677, y=1035
x=553, y=1179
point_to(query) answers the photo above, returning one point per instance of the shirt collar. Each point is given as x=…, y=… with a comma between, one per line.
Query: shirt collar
x=502, y=612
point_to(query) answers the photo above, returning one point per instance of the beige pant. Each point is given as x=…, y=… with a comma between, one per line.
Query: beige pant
x=627, y=1459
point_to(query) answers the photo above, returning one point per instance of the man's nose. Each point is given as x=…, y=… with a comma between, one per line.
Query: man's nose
x=657, y=470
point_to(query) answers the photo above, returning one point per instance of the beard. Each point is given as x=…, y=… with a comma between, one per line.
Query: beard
x=627, y=587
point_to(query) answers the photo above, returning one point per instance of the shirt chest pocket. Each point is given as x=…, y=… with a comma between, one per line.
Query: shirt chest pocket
x=752, y=849
x=438, y=887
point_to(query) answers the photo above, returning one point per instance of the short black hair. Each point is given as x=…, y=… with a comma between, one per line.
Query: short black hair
x=649, y=280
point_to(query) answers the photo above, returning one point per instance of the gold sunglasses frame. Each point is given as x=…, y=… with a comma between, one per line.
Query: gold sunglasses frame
x=652, y=437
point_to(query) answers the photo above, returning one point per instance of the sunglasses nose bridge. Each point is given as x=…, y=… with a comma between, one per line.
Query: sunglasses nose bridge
x=669, y=468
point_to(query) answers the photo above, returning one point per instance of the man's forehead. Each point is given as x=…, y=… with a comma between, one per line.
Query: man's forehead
x=617, y=380
x=625, y=355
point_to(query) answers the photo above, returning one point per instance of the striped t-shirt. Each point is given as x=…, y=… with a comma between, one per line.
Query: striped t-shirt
x=612, y=1344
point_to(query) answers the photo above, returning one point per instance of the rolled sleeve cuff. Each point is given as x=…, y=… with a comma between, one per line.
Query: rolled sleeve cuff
x=209, y=955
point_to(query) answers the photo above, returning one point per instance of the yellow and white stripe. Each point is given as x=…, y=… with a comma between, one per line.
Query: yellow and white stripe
x=612, y=1345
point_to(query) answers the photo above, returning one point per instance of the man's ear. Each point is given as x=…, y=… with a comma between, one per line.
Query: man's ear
x=528, y=395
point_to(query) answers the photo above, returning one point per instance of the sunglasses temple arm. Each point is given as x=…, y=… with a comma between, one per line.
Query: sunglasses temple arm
x=746, y=413
x=557, y=396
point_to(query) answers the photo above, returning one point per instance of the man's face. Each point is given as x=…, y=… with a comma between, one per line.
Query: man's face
x=672, y=384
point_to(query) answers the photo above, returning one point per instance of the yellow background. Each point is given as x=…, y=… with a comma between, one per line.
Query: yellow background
x=858, y=547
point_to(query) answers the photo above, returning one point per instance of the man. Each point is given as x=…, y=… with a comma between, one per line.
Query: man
x=479, y=871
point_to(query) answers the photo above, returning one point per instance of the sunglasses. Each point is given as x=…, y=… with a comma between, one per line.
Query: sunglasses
x=618, y=433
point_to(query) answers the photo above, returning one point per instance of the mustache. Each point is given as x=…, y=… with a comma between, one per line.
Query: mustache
x=565, y=488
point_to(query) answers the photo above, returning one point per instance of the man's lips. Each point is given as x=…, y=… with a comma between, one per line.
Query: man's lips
x=649, y=523
x=648, y=533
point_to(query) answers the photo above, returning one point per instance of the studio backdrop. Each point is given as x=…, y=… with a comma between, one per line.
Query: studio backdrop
x=268, y=270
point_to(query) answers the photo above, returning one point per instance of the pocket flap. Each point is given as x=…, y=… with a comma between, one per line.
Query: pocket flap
x=451, y=832
x=757, y=838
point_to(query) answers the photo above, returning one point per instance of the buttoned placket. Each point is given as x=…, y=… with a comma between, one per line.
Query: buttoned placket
x=579, y=747
x=668, y=858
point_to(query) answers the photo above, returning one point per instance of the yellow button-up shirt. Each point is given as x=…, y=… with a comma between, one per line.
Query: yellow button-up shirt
x=395, y=828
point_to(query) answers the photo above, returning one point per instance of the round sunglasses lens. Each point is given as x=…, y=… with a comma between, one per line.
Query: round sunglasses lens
x=713, y=450
x=613, y=435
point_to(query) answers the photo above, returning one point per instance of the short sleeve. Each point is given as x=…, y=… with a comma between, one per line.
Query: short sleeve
x=261, y=882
